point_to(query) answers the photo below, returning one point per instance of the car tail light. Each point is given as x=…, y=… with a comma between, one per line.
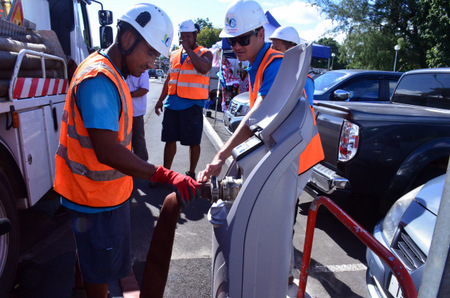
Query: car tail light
x=348, y=143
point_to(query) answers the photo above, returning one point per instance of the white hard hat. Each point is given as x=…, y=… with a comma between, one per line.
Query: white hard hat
x=187, y=26
x=153, y=24
x=286, y=33
x=243, y=16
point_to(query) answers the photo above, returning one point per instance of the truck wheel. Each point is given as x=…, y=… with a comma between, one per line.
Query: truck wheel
x=9, y=242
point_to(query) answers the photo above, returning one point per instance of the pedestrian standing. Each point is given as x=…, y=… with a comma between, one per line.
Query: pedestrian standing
x=188, y=87
x=94, y=161
x=139, y=87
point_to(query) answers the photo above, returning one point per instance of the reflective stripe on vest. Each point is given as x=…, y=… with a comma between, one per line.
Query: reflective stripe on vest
x=79, y=176
x=267, y=59
x=184, y=80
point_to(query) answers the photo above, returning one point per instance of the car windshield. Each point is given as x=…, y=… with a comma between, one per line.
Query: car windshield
x=327, y=80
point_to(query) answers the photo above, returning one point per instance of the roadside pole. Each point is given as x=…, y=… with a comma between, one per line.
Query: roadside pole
x=436, y=278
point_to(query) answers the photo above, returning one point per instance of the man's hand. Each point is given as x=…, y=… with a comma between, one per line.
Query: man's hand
x=159, y=108
x=212, y=169
x=185, y=44
x=186, y=188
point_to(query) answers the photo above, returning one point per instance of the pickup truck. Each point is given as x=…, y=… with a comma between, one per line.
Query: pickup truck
x=377, y=152
x=339, y=85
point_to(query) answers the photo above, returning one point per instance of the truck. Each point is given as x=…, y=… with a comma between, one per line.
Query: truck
x=41, y=43
x=376, y=152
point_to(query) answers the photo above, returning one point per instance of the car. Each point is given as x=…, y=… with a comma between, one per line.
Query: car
x=335, y=85
x=237, y=109
x=355, y=85
x=160, y=73
x=152, y=73
x=406, y=230
x=156, y=73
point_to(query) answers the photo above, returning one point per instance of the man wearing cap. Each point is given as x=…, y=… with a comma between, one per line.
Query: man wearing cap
x=94, y=161
x=188, y=89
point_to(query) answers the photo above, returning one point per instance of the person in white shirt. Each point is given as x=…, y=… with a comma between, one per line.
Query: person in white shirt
x=139, y=88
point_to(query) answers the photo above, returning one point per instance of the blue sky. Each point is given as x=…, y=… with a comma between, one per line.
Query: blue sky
x=308, y=21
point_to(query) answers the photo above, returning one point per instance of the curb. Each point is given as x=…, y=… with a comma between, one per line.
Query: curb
x=214, y=138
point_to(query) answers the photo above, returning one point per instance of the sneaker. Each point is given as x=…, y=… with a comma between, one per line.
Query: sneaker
x=191, y=174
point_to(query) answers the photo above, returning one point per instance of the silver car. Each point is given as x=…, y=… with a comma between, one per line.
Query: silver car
x=239, y=107
x=406, y=231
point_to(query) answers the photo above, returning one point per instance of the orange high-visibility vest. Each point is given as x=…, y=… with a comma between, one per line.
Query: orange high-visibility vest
x=185, y=81
x=313, y=152
x=266, y=60
x=79, y=176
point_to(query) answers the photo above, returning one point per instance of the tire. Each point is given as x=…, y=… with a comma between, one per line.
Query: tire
x=9, y=242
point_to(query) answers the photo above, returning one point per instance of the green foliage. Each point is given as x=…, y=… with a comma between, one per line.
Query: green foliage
x=374, y=27
x=203, y=23
x=208, y=34
x=334, y=63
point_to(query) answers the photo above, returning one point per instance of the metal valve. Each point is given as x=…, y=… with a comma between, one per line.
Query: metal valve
x=226, y=189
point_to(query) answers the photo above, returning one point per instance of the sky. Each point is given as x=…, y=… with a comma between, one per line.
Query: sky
x=308, y=21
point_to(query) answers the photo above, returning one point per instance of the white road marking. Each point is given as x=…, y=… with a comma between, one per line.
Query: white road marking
x=338, y=268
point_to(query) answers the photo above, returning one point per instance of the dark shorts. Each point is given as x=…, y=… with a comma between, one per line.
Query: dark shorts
x=103, y=244
x=185, y=126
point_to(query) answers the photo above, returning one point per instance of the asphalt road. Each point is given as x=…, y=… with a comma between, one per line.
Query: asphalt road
x=48, y=250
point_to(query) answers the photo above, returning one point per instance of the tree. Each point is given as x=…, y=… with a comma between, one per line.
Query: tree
x=208, y=35
x=423, y=27
x=323, y=63
x=436, y=29
x=369, y=50
x=203, y=23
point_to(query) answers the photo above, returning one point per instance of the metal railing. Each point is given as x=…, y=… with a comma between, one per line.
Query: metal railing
x=398, y=270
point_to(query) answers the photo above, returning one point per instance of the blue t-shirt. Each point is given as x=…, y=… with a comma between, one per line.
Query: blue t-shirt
x=99, y=103
x=174, y=102
x=269, y=74
x=309, y=89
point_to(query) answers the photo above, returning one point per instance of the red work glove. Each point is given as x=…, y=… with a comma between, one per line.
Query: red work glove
x=187, y=189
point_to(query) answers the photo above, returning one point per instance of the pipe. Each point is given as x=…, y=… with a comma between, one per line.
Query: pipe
x=397, y=268
x=11, y=45
x=29, y=61
x=35, y=73
x=160, y=251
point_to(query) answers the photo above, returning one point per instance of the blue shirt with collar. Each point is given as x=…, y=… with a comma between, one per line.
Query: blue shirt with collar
x=269, y=74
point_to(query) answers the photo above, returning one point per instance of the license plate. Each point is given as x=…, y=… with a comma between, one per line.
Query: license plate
x=394, y=287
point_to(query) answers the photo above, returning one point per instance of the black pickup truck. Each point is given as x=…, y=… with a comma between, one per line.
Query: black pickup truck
x=378, y=151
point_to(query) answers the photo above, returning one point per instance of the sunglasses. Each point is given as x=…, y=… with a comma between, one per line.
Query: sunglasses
x=243, y=40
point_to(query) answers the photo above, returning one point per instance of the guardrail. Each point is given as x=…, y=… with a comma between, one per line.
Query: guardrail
x=399, y=271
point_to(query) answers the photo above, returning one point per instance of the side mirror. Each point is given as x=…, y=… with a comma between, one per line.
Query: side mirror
x=106, y=36
x=341, y=94
x=105, y=17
